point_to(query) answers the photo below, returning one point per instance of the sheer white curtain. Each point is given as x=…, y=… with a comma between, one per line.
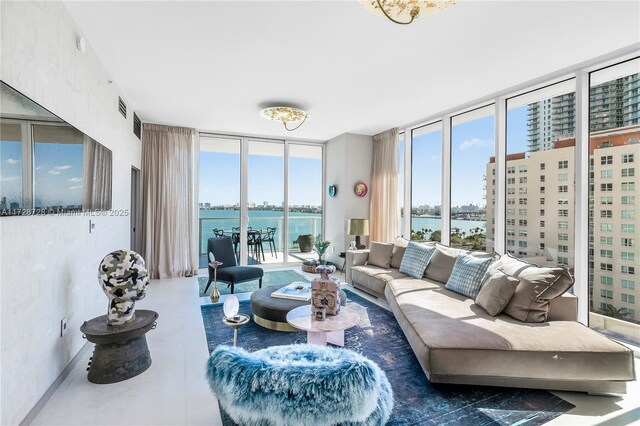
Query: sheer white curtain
x=385, y=201
x=168, y=203
x=96, y=181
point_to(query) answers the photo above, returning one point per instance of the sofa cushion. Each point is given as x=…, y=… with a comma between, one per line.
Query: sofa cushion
x=538, y=284
x=468, y=274
x=415, y=259
x=374, y=278
x=380, y=254
x=399, y=247
x=496, y=292
x=441, y=264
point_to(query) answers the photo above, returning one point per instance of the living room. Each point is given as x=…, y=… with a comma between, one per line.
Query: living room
x=501, y=128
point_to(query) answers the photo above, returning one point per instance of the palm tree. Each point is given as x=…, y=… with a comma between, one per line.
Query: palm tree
x=611, y=311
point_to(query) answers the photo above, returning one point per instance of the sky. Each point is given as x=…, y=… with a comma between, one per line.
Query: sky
x=220, y=180
x=472, y=144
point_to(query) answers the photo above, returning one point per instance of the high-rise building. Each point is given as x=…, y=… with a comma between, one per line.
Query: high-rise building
x=613, y=104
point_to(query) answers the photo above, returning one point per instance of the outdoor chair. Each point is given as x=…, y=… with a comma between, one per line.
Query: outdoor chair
x=269, y=237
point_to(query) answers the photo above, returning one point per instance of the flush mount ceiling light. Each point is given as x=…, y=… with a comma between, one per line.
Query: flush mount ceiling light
x=404, y=12
x=286, y=115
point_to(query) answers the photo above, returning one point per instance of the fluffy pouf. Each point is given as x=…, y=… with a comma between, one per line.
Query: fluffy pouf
x=299, y=385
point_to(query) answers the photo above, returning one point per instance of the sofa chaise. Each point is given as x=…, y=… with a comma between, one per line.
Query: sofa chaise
x=457, y=341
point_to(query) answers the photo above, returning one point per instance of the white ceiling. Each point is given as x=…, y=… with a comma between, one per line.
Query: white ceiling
x=209, y=65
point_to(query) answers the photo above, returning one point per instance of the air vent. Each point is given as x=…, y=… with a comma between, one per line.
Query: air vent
x=137, y=125
x=122, y=107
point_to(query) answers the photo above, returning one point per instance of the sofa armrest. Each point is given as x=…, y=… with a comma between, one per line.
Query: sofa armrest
x=563, y=308
x=355, y=258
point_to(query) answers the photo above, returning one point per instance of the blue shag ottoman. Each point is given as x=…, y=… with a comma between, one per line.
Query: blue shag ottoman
x=299, y=385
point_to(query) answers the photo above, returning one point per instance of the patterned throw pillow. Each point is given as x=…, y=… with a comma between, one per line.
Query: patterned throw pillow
x=416, y=258
x=468, y=274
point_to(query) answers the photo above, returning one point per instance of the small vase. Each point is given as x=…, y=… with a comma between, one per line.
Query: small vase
x=215, y=295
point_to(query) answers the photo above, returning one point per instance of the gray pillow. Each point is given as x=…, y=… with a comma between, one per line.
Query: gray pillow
x=496, y=293
x=441, y=264
x=538, y=285
x=380, y=254
x=399, y=246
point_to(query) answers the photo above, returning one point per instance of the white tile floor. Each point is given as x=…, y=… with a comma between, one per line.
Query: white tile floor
x=173, y=390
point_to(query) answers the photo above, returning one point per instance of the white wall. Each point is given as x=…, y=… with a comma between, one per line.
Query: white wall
x=48, y=265
x=348, y=161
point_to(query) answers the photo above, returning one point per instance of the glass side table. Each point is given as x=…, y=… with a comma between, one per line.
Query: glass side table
x=236, y=322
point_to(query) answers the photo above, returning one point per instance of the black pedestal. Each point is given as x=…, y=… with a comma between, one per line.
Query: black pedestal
x=121, y=352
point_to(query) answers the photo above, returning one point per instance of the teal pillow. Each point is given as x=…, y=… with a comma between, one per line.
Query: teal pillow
x=416, y=258
x=468, y=274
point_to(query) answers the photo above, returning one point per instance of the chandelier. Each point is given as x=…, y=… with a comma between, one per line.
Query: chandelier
x=286, y=115
x=404, y=12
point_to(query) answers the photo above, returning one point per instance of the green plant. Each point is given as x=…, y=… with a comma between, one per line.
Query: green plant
x=321, y=246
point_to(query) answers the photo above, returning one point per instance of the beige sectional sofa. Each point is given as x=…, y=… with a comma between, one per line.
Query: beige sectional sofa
x=457, y=341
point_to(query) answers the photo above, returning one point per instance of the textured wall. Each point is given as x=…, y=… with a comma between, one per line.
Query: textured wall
x=48, y=265
x=348, y=161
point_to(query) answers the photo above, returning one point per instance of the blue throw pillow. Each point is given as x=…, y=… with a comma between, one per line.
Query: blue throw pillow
x=468, y=274
x=416, y=258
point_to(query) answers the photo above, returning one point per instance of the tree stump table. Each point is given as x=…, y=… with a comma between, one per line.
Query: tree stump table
x=121, y=351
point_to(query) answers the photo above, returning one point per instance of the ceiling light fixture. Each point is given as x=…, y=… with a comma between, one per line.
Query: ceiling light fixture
x=286, y=115
x=404, y=12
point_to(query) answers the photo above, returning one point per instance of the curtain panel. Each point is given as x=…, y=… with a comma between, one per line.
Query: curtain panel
x=168, y=205
x=96, y=180
x=385, y=203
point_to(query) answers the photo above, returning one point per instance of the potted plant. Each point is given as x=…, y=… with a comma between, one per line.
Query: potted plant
x=321, y=247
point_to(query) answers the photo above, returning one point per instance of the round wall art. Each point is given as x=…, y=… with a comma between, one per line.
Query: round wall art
x=333, y=190
x=361, y=189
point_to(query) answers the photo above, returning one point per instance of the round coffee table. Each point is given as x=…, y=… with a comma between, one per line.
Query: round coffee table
x=330, y=330
x=271, y=312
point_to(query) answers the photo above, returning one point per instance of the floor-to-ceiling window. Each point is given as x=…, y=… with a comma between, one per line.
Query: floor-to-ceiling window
x=219, y=188
x=614, y=219
x=540, y=175
x=426, y=182
x=12, y=136
x=245, y=178
x=305, y=195
x=472, y=151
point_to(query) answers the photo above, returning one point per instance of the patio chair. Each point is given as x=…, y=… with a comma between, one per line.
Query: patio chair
x=218, y=232
x=269, y=237
x=229, y=272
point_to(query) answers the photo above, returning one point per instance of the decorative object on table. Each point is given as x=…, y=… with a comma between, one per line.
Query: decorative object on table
x=359, y=227
x=404, y=12
x=229, y=272
x=353, y=246
x=333, y=190
x=215, y=293
x=325, y=291
x=285, y=114
x=295, y=291
x=123, y=277
x=296, y=385
x=309, y=266
x=231, y=306
x=379, y=337
x=305, y=242
x=321, y=247
x=360, y=189
x=320, y=313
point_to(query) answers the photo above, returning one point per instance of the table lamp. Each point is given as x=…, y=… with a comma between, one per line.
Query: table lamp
x=359, y=227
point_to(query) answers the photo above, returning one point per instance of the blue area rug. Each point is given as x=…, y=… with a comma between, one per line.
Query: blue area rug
x=286, y=276
x=417, y=402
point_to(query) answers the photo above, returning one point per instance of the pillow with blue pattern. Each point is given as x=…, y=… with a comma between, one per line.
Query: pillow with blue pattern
x=416, y=258
x=468, y=274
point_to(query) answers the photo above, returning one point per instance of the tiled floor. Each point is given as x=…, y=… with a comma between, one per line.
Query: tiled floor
x=173, y=391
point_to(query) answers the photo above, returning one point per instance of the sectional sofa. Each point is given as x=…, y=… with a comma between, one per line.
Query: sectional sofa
x=457, y=341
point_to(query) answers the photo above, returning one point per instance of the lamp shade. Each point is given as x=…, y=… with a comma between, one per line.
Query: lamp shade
x=358, y=226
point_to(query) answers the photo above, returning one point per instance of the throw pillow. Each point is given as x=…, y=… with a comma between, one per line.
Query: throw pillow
x=496, y=292
x=441, y=265
x=468, y=274
x=538, y=285
x=415, y=259
x=399, y=247
x=380, y=254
